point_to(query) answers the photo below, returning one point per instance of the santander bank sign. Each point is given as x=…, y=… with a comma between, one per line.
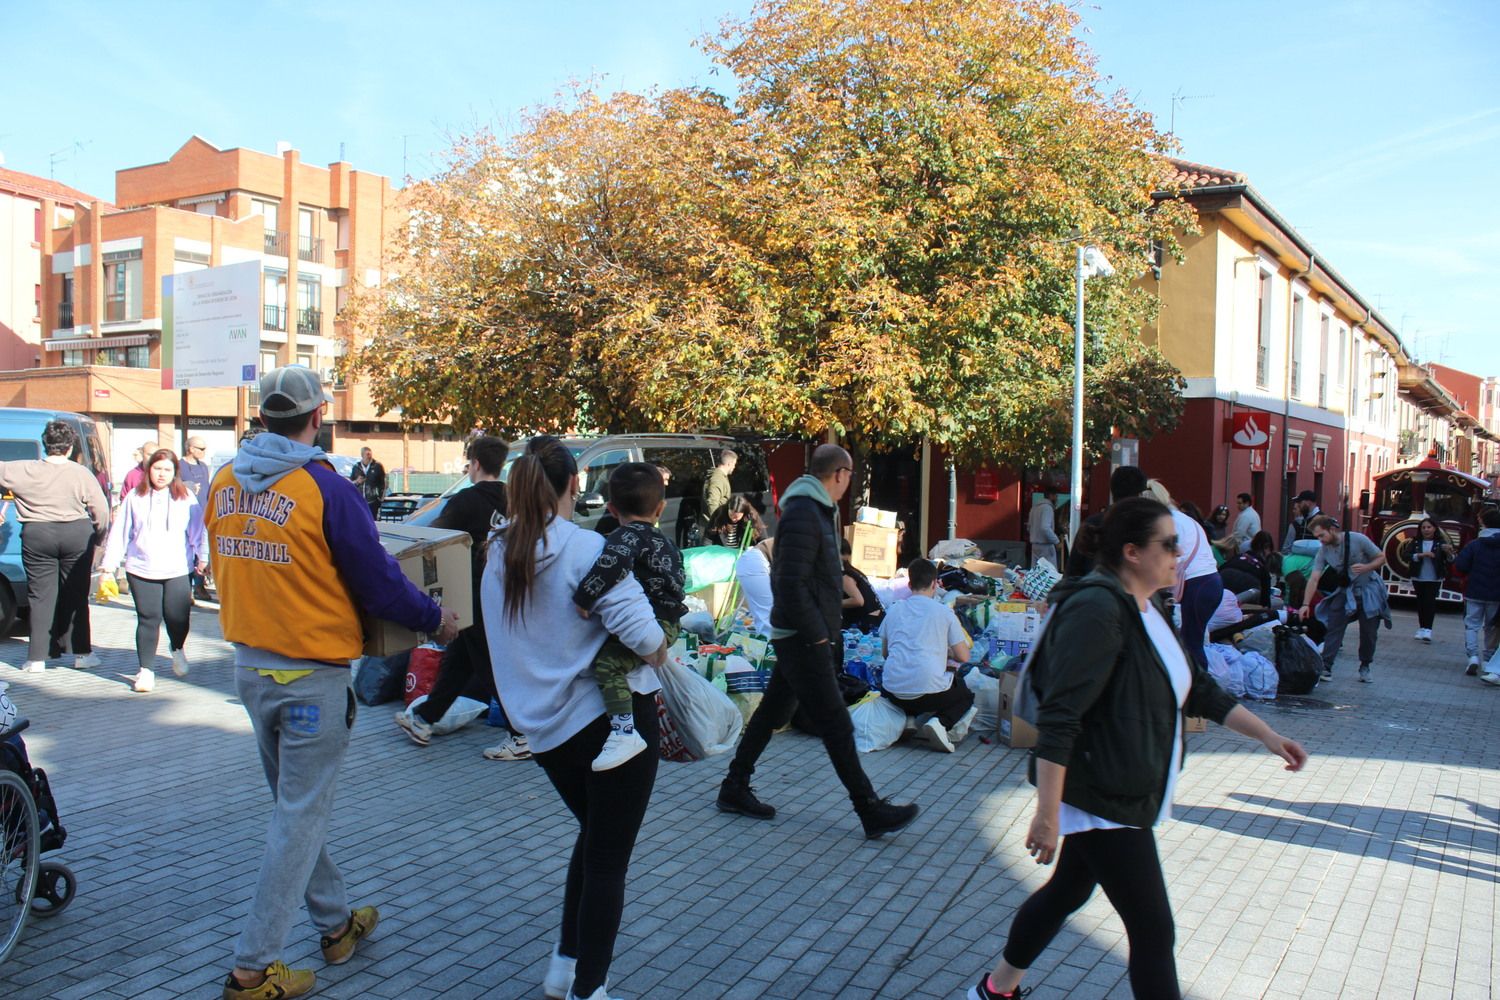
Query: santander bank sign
x=1249, y=430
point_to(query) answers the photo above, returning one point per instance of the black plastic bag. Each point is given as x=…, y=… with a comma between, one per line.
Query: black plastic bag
x=379, y=679
x=1298, y=664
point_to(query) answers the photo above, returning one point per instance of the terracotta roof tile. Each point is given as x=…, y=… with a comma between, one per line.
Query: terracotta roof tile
x=41, y=187
x=1187, y=174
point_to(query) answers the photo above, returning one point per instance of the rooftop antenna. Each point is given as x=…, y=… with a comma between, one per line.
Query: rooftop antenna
x=405, y=176
x=62, y=155
x=1178, y=98
x=341, y=152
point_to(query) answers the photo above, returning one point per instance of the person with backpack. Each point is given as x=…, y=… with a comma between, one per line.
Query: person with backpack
x=1110, y=683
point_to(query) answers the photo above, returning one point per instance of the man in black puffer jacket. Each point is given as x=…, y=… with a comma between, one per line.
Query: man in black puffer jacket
x=806, y=630
x=1480, y=563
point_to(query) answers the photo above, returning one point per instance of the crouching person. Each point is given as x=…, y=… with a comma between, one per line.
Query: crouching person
x=924, y=644
x=292, y=541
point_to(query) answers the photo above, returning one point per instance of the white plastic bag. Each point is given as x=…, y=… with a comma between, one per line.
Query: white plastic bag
x=877, y=723
x=708, y=722
x=462, y=712
x=986, y=698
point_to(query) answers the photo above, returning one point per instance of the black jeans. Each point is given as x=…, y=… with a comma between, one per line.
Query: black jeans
x=949, y=706
x=1427, y=598
x=156, y=600
x=58, y=557
x=1124, y=863
x=804, y=674
x=609, y=806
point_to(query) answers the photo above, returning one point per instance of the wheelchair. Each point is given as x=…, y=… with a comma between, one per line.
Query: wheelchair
x=29, y=828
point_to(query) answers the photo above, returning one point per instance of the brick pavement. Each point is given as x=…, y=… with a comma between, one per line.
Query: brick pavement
x=1373, y=873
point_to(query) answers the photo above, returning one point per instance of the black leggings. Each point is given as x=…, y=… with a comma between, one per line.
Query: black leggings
x=609, y=806
x=1124, y=863
x=58, y=558
x=155, y=600
x=1427, y=597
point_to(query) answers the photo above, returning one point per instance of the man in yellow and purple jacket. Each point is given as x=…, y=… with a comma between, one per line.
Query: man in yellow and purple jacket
x=297, y=559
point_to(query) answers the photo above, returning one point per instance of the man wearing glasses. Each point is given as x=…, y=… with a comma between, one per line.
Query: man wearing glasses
x=807, y=632
x=195, y=476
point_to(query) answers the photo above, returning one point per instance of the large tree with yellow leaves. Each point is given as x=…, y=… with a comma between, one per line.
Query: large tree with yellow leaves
x=874, y=235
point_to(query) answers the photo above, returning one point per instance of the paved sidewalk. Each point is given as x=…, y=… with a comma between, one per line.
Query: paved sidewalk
x=1373, y=873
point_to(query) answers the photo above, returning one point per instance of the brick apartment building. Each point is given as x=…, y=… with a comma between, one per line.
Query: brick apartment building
x=317, y=232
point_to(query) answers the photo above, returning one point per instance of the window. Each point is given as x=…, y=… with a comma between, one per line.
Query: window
x=267, y=210
x=65, y=303
x=305, y=360
x=38, y=301
x=1263, y=332
x=73, y=359
x=37, y=226
x=1297, y=303
x=596, y=474
x=689, y=467
x=273, y=299
x=206, y=208
x=123, y=275
x=309, y=307
x=13, y=450
x=1323, y=362
x=342, y=221
x=1343, y=364
x=123, y=357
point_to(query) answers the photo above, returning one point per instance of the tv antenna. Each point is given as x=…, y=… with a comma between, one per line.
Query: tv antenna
x=1178, y=99
x=63, y=155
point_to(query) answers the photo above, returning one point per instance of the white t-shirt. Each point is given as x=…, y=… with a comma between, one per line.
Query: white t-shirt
x=1071, y=819
x=1426, y=568
x=918, y=633
x=1190, y=535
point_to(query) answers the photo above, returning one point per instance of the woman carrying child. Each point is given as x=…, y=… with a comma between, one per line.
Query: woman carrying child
x=542, y=652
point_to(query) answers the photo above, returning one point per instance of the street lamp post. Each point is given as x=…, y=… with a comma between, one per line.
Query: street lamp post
x=1090, y=263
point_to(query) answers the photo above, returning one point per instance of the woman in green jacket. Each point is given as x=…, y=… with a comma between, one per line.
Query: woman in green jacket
x=1112, y=683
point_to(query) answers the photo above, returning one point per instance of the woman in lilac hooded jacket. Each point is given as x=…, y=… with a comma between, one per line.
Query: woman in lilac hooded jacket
x=158, y=536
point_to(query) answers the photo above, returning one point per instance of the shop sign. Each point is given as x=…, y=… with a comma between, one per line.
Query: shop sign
x=1248, y=430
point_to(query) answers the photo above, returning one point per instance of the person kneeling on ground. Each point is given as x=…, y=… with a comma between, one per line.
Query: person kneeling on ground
x=924, y=644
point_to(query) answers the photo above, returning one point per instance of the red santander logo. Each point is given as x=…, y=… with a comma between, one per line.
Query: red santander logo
x=1249, y=430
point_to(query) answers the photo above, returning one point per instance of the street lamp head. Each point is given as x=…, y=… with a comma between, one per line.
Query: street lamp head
x=1095, y=264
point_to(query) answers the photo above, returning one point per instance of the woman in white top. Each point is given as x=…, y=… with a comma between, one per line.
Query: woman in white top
x=1112, y=682
x=158, y=536
x=1197, y=586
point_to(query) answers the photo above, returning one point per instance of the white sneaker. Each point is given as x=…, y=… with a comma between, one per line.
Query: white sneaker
x=937, y=735
x=619, y=746
x=1427, y=635
x=1420, y=634
x=179, y=663
x=144, y=682
x=33, y=666
x=1491, y=679
x=512, y=748
x=598, y=994
x=87, y=661
x=559, y=981
x=416, y=727
x=961, y=727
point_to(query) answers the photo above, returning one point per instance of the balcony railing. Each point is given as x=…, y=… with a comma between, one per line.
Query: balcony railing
x=1296, y=380
x=274, y=317
x=309, y=248
x=310, y=321
x=65, y=315
x=1323, y=390
x=276, y=242
x=1263, y=366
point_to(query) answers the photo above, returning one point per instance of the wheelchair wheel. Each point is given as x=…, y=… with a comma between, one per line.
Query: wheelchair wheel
x=55, y=883
x=19, y=858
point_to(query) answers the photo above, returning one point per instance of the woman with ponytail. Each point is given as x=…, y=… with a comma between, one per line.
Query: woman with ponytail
x=542, y=652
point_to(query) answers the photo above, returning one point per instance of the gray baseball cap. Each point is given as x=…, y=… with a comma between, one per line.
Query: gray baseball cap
x=291, y=391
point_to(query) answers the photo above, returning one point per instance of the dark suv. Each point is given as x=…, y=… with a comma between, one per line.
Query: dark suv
x=690, y=457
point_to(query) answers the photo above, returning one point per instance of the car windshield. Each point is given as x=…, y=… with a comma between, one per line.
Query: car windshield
x=424, y=516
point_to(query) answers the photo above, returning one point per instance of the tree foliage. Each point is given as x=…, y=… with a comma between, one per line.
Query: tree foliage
x=875, y=236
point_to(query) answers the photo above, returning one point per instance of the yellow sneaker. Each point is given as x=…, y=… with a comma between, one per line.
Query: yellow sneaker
x=280, y=982
x=337, y=951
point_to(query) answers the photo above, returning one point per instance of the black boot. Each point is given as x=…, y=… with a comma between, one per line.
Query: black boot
x=738, y=797
x=881, y=817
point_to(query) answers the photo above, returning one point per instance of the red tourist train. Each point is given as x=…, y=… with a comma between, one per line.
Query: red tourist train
x=1403, y=497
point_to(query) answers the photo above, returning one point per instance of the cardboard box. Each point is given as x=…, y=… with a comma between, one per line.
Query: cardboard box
x=994, y=570
x=1194, y=724
x=875, y=516
x=1016, y=626
x=874, y=549
x=1012, y=730
x=439, y=563
x=716, y=596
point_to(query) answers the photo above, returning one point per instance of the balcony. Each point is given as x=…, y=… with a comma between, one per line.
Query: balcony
x=310, y=321
x=65, y=315
x=276, y=242
x=273, y=317
x=309, y=248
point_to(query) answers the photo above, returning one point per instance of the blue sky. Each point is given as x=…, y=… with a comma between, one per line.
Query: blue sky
x=1372, y=127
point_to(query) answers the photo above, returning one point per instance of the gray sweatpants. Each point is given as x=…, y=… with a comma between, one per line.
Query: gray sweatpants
x=302, y=729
